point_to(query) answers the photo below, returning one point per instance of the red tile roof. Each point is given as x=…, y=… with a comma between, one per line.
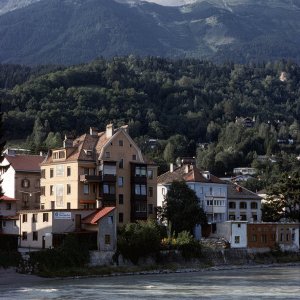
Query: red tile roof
x=188, y=173
x=5, y=198
x=16, y=217
x=97, y=215
x=27, y=163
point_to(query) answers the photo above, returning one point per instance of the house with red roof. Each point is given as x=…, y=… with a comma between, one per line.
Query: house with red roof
x=20, y=175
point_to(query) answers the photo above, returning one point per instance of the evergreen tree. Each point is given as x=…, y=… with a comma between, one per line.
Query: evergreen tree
x=181, y=208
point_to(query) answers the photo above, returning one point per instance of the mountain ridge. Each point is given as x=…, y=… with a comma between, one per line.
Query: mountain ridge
x=75, y=31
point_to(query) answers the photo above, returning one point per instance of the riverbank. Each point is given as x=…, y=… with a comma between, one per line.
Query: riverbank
x=9, y=277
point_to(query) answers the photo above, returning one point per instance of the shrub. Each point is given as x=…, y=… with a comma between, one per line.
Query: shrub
x=136, y=240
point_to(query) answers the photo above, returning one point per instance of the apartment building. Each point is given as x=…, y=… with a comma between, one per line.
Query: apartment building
x=20, y=175
x=100, y=169
x=8, y=216
x=210, y=190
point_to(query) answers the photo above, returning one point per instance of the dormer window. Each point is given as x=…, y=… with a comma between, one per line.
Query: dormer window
x=88, y=152
x=59, y=154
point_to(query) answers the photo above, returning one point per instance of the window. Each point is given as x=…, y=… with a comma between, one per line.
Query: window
x=8, y=206
x=120, y=217
x=107, y=154
x=3, y=223
x=120, y=181
x=150, y=174
x=150, y=191
x=86, y=189
x=24, y=218
x=231, y=216
x=237, y=239
x=121, y=198
x=150, y=209
x=243, y=217
x=107, y=239
x=25, y=183
x=163, y=191
x=34, y=235
x=254, y=217
x=254, y=205
x=232, y=205
x=24, y=235
x=51, y=190
x=68, y=171
x=52, y=204
x=42, y=191
x=60, y=170
x=140, y=207
x=210, y=191
x=243, y=205
x=264, y=238
x=59, y=154
x=68, y=205
x=51, y=173
x=45, y=217
x=68, y=189
x=121, y=143
x=140, y=189
x=43, y=173
x=140, y=171
x=239, y=225
x=34, y=218
x=37, y=183
x=15, y=223
x=109, y=189
x=121, y=164
x=134, y=157
x=254, y=238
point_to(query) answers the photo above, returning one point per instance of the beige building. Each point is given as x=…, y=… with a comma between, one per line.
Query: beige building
x=100, y=169
x=20, y=175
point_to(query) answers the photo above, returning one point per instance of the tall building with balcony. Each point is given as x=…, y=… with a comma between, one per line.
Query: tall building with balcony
x=210, y=190
x=100, y=169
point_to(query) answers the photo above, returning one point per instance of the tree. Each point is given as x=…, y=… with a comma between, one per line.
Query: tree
x=283, y=199
x=181, y=208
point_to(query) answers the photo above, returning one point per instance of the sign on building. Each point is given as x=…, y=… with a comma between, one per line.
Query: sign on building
x=62, y=215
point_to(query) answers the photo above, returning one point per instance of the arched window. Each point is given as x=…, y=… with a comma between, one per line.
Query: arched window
x=243, y=205
x=254, y=205
x=25, y=183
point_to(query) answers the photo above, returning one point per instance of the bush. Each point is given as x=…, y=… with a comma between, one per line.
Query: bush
x=9, y=258
x=136, y=240
x=70, y=254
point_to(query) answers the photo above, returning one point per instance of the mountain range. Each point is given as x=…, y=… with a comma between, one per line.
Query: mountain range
x=75, y=31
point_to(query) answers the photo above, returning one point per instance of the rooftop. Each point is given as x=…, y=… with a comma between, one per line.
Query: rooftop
x=25, y=163
x=94, y=217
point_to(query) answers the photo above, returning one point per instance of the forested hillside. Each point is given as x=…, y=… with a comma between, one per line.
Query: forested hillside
x=184, y=104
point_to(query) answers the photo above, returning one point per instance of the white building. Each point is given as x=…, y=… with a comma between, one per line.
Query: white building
x=210, y=190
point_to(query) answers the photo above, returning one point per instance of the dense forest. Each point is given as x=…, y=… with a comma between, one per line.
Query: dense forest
x=185, y=107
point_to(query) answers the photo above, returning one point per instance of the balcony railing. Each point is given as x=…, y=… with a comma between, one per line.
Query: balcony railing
x=97, y=178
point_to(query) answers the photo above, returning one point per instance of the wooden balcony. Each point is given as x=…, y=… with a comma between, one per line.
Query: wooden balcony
x=97, y=178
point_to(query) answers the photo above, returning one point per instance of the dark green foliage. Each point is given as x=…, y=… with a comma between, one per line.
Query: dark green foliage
x=8, y=242
x=181, y=208
x=70, y=254
x=283, y=199
x=137, y=240
x=9, y=258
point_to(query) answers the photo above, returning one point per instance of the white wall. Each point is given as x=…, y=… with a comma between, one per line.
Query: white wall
x=238, y=230
x=8, y=183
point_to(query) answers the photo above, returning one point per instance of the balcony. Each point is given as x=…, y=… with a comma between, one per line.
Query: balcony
x=139, y=179
x=108, y=199
x=97, y=178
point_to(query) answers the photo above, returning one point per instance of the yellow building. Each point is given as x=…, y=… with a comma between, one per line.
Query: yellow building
x=100, y=169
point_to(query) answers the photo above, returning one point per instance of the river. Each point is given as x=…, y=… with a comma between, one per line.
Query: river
x=255, y=283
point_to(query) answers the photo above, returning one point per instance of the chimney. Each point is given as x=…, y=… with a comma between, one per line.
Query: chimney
x=186, y=168
x=68, y=142
x=109, y=130
x=94, y=131
x=171, y=167
x=206, y=174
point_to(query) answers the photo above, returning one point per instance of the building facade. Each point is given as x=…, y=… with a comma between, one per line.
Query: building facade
x=243, y=205
x=20, y=175
x=8, y=217
x=97, y=170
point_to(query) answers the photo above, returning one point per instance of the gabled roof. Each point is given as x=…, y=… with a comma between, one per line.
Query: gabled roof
x=237, y=192
x=25, y=163
x=187, y=173
x=8, y=199
x=94, y=217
